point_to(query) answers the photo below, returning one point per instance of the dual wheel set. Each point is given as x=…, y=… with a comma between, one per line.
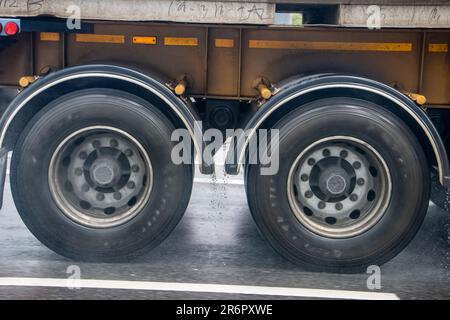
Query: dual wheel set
x=92, y=178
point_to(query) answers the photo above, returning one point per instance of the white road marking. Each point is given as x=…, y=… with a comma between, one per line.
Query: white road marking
x=197, y=287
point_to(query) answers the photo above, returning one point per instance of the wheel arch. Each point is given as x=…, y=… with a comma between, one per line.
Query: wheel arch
x=295, y=92
x=31, y=100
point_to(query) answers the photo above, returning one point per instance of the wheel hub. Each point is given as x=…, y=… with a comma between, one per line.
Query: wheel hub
x=338, y=187
x=336, y=184
x=105, y=172
x=100, y=176
x=332, y=178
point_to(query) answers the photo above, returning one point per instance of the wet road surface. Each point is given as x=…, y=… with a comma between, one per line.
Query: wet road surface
x=217, y=243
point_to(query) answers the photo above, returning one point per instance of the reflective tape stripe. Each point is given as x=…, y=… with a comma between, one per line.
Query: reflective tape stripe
x=50, y=36
x=100, y=38
x=224, y=43
x=438, y=47
x=339, y=46
x=172, y=41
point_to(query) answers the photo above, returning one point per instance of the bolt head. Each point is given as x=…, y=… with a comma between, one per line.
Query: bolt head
x=308, y=194
x=78, y=171
x=304, y=177
x=117, y=195
x=326, y=153
x=131, y=185
x=135, y=168
x=113, y=143
x=356, y=164
x=100, y=196
x=360, y=182
x=344, y=154
x=128, y=152
x=83, y=155
x=353, y=197
x=311, y=161
x=339, y=206
x=321, y=205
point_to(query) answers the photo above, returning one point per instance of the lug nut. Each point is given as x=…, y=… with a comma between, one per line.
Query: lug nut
x=131, y=185
x=339, y=206
x=353, y=197
x=78, y=171
x=308, y=194
x=304, y=177
x=356, y=164
x=96, y=144
x=128, y=152
x=83, y=155
x=360, y=182
x=114, y=143
x=117, y=195
x=311, y=161
x=326, y=153
x=100, y=196
x=85, y=188
x=321, y=205
x=135, y=168
x=344, y=154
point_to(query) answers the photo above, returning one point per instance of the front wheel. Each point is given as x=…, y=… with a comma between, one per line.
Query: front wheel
x=352, y=189
x=92, y=176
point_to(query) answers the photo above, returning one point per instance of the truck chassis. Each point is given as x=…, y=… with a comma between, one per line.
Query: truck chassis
x=362, y=117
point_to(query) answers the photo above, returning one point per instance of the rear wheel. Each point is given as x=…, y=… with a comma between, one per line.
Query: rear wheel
x=92, y=176
x=352, y=189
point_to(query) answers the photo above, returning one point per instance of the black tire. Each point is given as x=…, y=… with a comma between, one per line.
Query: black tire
x=160, y=213
x=385, y=132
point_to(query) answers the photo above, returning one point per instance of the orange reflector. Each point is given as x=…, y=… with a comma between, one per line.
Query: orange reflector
x=144, y=40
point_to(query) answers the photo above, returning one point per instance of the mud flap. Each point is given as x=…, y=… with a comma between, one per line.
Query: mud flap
x=3, y=165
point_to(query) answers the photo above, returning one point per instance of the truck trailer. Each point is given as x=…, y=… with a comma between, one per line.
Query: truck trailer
x=356, y=93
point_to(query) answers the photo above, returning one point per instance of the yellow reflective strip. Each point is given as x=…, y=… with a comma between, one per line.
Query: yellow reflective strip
x=438, y=47
x=100, y=38
x=171, y=41
x=144, y=40
x=50, y=36
x=224, y=43
x=339, y=46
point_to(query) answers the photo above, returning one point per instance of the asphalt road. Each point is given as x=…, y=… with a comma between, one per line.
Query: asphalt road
x=216, y=243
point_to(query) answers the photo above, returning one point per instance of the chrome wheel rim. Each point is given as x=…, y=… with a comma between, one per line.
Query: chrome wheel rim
x=100, y=176
x=339, y=187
